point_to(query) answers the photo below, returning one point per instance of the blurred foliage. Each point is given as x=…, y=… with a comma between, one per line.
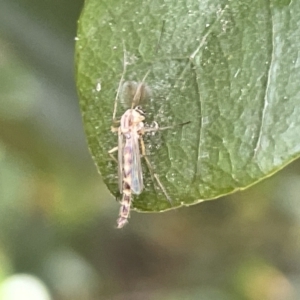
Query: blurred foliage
x=57, y=218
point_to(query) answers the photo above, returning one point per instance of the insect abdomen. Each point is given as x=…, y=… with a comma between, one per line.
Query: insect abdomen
x=125, y=208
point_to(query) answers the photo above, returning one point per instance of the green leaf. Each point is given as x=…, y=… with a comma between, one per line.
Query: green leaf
x=231, y=68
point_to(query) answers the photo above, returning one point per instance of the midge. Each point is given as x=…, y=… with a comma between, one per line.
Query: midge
x=131, y=145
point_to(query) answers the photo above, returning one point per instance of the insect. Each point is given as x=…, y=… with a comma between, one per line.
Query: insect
x=129, y=161
x=131, y=145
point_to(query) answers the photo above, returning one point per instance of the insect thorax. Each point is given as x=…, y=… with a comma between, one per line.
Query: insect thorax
x=131, y=118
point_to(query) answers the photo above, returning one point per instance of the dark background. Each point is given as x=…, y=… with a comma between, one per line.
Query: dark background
x=57, y=218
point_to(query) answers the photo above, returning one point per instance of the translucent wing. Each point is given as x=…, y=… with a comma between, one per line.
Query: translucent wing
x=136, y=172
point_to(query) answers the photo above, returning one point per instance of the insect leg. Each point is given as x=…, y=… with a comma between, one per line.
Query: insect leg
x=110, y=152
x=157, y=128
x=120, y=83
x=115, y=129
x=153, y=174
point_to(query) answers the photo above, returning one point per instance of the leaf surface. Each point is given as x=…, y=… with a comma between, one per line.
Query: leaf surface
x=231, y=68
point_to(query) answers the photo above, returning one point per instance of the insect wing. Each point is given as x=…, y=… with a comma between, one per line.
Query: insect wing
x=136, y=172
